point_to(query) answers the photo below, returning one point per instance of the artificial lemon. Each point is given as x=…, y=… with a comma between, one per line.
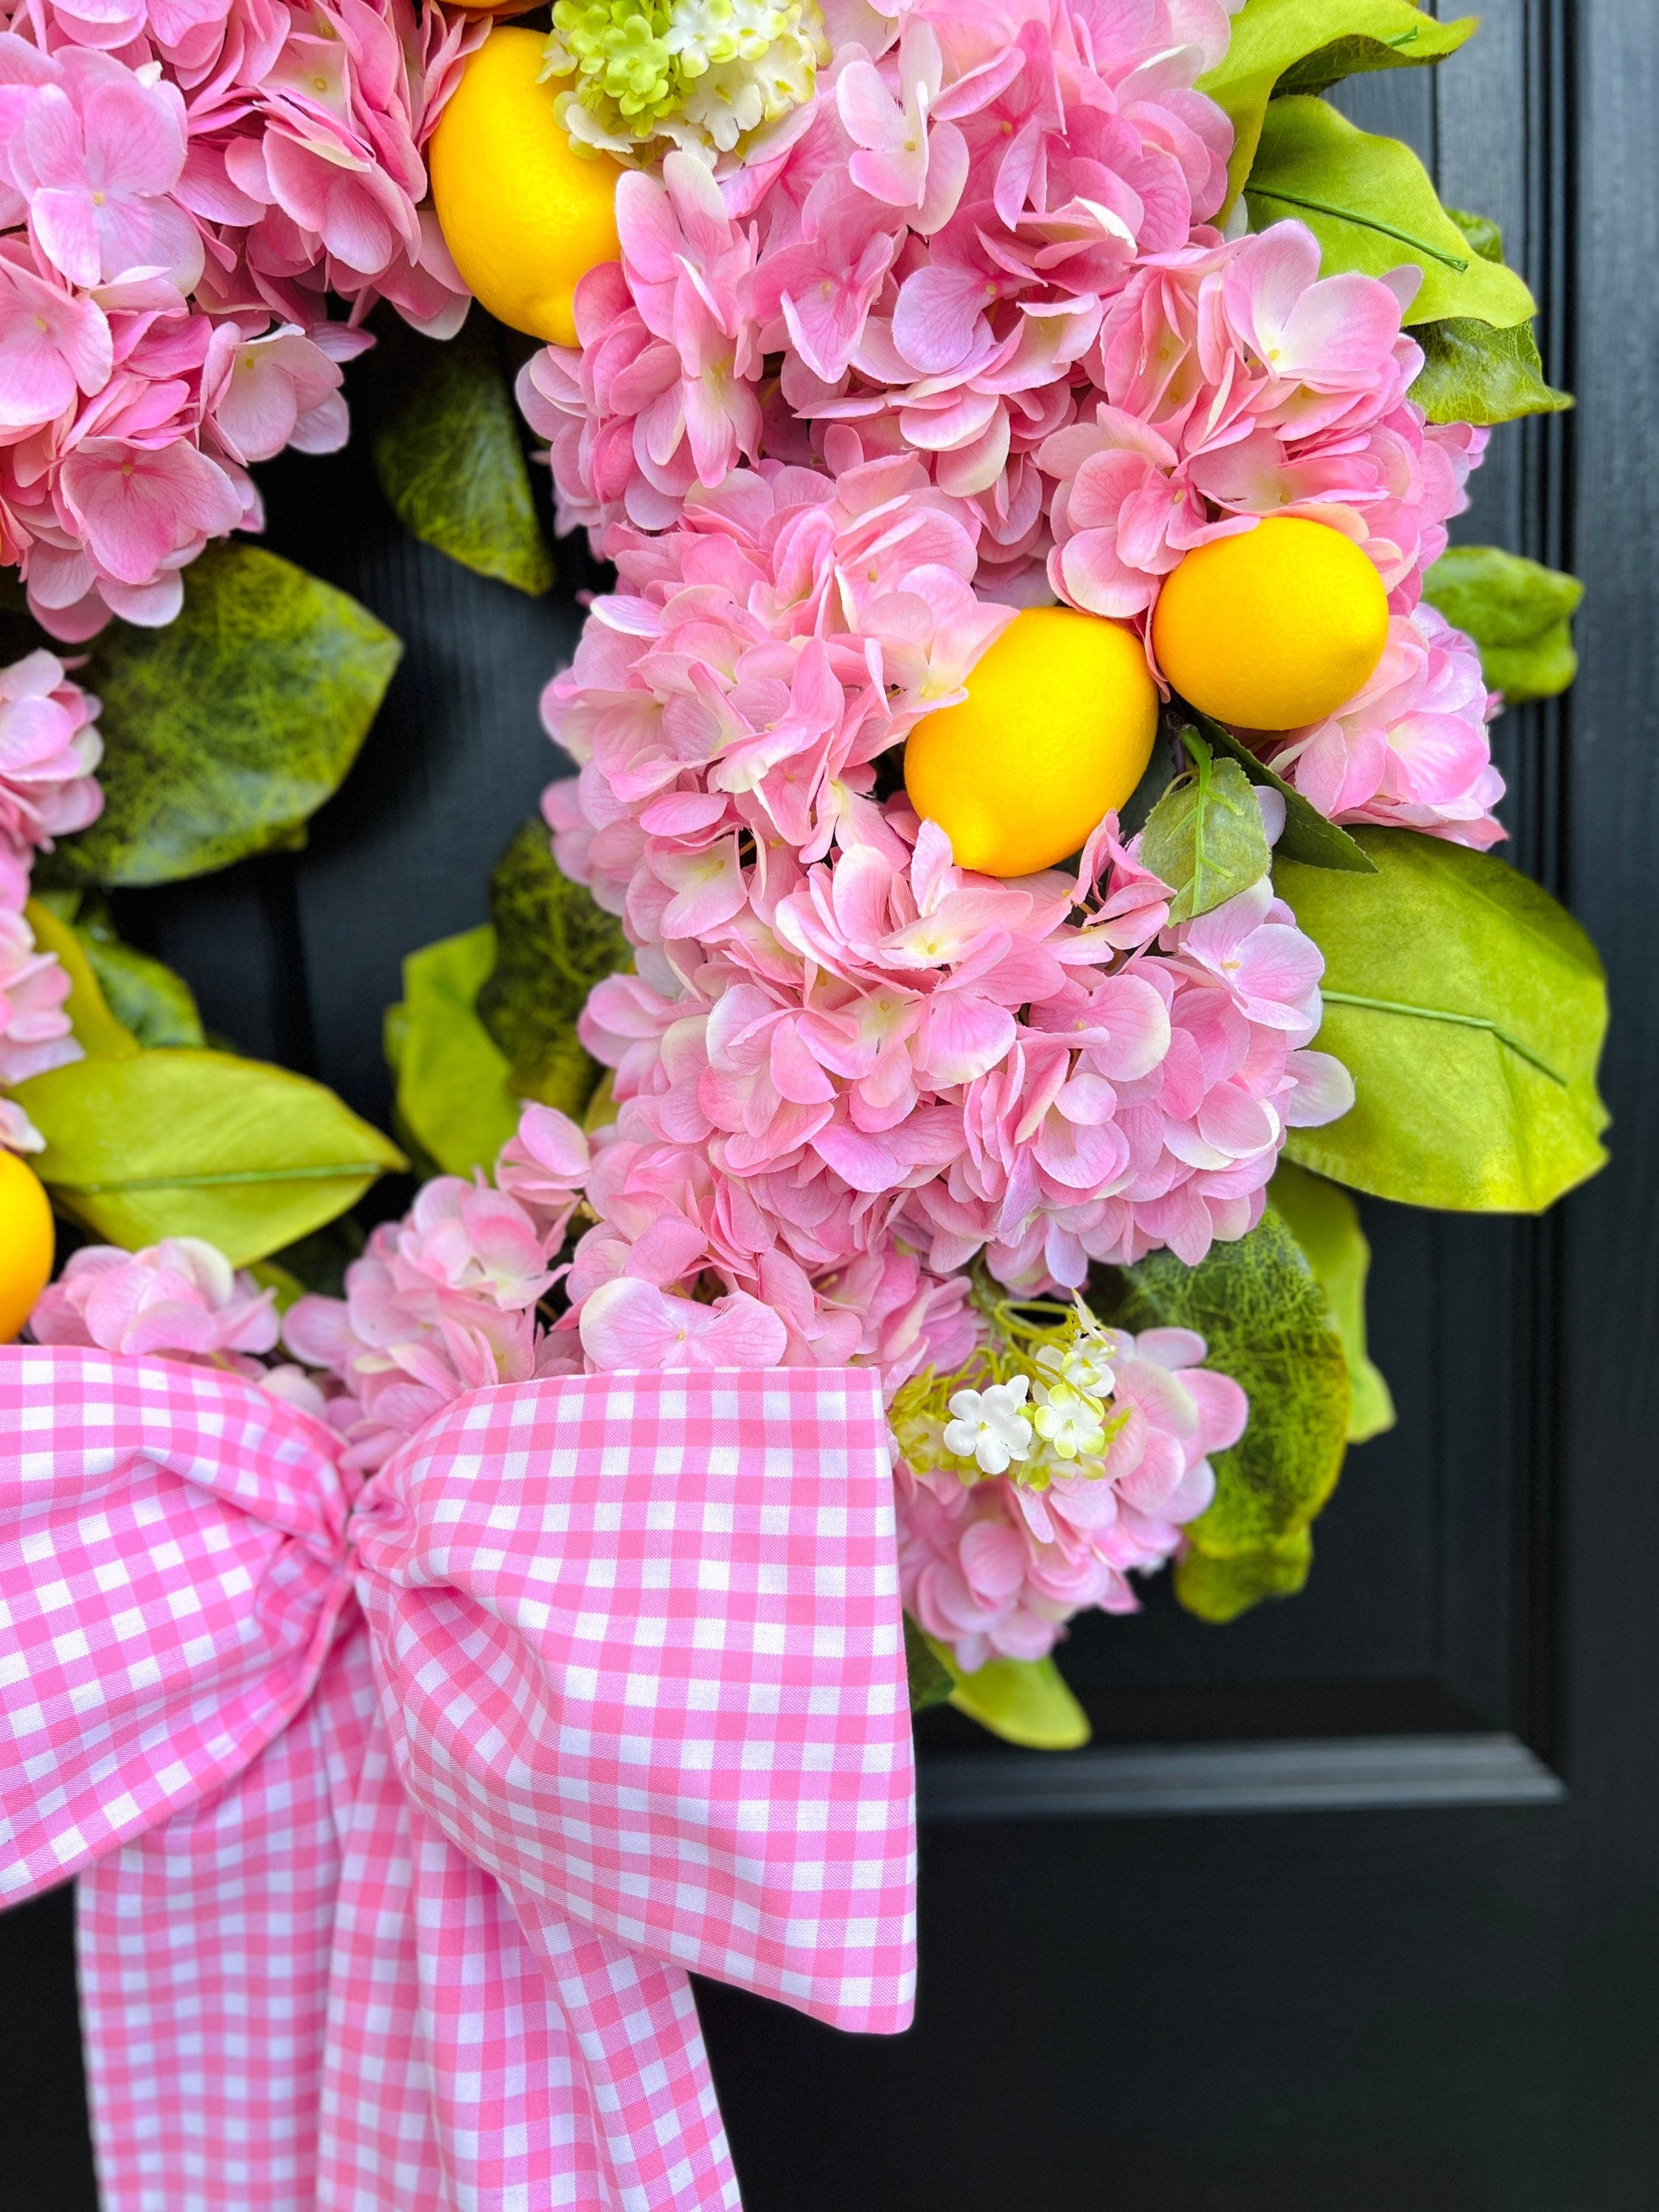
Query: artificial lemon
x=1057, y=728
x=1272, y=629
x=524, y=215
x=26, y=1243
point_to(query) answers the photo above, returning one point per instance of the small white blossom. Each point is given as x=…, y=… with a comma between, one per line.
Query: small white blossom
x=1069, y=1421
x=990, y=1427
x=1087, y=1364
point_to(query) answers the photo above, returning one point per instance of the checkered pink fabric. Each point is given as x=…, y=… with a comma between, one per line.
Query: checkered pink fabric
x=400, y=1817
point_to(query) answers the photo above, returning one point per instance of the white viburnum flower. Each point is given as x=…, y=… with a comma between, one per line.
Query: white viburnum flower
x=1069, y=1421
x=1087, y=1364
x=990, y=1427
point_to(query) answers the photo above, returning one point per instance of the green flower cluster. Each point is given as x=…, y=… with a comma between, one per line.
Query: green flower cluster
x=704, y=74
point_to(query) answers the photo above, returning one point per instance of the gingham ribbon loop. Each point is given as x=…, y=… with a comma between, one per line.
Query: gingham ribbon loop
x=396, y=1914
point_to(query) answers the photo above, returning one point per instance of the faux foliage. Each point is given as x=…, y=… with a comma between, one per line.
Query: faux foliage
x=224, y=732
x=553, y=944
x=456, y=1100
x=1470, y=1009
x=1205, y=836
x=1517, y=611
x=1325, y=1222
x=1268, y=1323
x=448, y=455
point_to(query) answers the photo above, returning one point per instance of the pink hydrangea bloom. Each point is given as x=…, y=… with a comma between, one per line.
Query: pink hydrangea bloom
x=181, y=1299
x=182, y=184
x=35, y=1030
x=48, y=750
x=996, y=1567
x=1411, y=749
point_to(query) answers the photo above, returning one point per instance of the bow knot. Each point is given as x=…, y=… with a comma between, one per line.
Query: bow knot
x=599, y=1678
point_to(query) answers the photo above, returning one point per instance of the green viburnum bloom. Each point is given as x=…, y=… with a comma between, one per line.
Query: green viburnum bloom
x=712, y=76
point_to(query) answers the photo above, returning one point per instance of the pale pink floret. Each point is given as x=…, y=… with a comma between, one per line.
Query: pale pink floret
x=1411, y=750
x=48, y=750
x=34, y=1030
x=180, y=1299
x=543, y=1168
x=995, y=1569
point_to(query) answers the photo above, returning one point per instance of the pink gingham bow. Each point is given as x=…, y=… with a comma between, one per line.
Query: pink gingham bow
x=399, y=1818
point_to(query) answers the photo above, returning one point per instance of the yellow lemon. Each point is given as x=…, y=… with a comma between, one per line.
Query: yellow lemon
x=1057, y=727
x=1272, y=629
x=525, y=216
x=26, y=1243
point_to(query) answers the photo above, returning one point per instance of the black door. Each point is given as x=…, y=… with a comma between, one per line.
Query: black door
x=1354, y=1905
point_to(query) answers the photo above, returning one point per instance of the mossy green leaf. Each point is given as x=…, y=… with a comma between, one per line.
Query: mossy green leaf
x=447, y=454
x=186, y=1142
x=1205, y=836
x=553, y=944
x=1268, y=1323
x=1517, y=611
x=1469, y=1008
x=1308, y=835
x=144, y=994
x=1218, y=1588
x=1023, y=1701
x=1369, y=204
x=97, y=1028
x=455, y=1096
x=224, y=732
x=1282, y=46
x=1325, y=1222
x=931, y=1681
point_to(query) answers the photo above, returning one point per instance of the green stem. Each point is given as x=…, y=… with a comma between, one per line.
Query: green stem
x=1463, y=1021
x=340, y=1171
x=1365, y=222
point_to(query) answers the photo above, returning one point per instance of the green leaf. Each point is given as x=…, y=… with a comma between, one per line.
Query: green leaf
x=156, y=1005
x=1304, y=46
x=1325, y=1222
x=1267, y=1324
x=96, y=1028
x=930, y=1680
x=455, y=1095
x=186, y=1142
x=226, y=731
x=1369, y=204
x=1470, y=1009
x=1471, y=373
x=1517, y=611
x=1205, y=836
x=553, y=944
x=448, y=455
x=1308, y=836
x=1024, y=1701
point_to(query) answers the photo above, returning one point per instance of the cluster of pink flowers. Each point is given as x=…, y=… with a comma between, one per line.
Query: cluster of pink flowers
x=994, y=1568
x=48, y=750
x=181, y=1299
x=182, y=184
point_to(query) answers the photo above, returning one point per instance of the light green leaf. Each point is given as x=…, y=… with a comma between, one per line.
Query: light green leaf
x=930, y=1680
x=1369, y=204
x=454, y=1092
x=1267, y=1324
x=1325, y=1222
x=185, y=1143
x=225, y=732
x=1308, y=835
x=96, y=1028
x=553, y=944
x=1305, y=45
x=156, y=1005
x=1470, y=1009
x=1471, y=373
x=448, y=455
x=1205, y=836
x=1023, y=1701
x=1517, y=611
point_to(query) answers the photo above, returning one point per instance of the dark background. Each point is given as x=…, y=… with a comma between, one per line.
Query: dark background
x=1398, y=2007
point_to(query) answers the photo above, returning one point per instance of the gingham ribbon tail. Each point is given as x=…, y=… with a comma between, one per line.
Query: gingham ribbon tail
x=400, y=1816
